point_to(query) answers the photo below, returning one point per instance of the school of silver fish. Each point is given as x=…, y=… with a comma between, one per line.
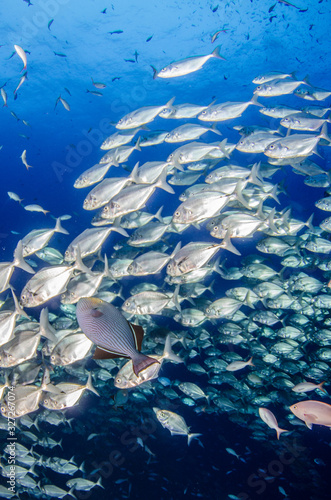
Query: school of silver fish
x=241, y=331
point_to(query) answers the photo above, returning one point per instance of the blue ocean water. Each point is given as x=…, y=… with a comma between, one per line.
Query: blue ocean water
x=69, y=42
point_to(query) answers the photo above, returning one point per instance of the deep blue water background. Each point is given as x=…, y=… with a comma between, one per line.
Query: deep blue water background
x=61, y=144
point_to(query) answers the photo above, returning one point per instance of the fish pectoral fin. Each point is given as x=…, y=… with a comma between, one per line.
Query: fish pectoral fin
x=310, y=420
x=138, y=334
x=100, y=353
x=96, y=313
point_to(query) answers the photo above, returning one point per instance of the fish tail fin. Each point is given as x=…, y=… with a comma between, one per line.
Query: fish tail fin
x=154, y=72
x=255, y=101
x=99, y=483
x=192, y=436
x=222, y=148
x=280, y=431
x=46, y=330
x=18, y=309
x=89, y=385
x=141, y=362
x=176, y=249
x=216, y=53
x=324, y=133
x=158, y=215
x=162, y=183
x=80, y=265
x=309, y=222
x=321, y=388
x=19, y=261
x=170, y=103
x=175, y=298
x=214, y=129
x=273, y=194
x=70, y=492
x=306, y=81
x=168, y=352
x=58, y=227
x=241, y=184
x=254, y=175
x=137, y=146
x=250, y=362
x=134, y=174
x=226, y=243
x=116, y=227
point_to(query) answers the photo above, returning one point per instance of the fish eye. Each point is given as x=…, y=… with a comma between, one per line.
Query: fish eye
x=177, y=213
x=203, y=112
x=259, y=87
x=53, y=357
x=118, y=380
x=46, y=401
x=271, y=146
x=106, y=209
x=23, y=297
x=66, y=253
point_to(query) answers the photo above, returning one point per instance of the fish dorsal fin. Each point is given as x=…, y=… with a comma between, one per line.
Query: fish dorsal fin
x=138, y=334
x=100, y=353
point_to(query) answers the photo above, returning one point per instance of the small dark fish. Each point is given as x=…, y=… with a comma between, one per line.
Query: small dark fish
x=271, y=18
x=50, y=24
x=11, y=55
x=303, y=10
x=136, y=55
x=65, y=88
x=215, y=35
x=116, y=78
x=288, y=4
x=104, y=11
x=15, y=116
x=117, y=32
x=94, y=92
x=130, y=60
x=272, y=8
x=149, y=38
x=214, y=9
x=114, y=336
x=59, y=54
x=98, y=85
x=28, y=2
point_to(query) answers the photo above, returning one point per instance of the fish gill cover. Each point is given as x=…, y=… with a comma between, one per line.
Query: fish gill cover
x=171, y=158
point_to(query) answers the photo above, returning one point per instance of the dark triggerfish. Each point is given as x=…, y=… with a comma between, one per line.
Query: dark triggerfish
x=114, y=336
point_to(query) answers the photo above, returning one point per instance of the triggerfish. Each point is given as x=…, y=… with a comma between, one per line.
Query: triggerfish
x=114, y=336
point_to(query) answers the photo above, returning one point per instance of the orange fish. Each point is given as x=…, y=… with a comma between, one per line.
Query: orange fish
x=312, y=412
